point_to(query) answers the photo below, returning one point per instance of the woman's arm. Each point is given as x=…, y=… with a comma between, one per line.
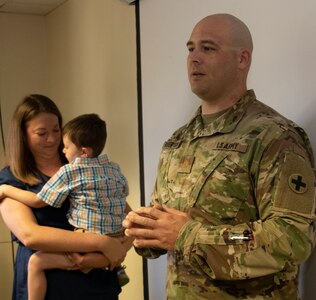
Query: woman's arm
x=20, y=220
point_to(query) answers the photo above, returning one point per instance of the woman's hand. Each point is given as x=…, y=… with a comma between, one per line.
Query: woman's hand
x=113, y=250
x=99, y=260
x=84, y=261
x=127, y=242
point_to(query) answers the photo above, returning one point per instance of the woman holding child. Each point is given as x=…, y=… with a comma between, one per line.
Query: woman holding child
x=34, y=154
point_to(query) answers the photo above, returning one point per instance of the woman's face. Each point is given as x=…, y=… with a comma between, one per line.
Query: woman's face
x=43, y=135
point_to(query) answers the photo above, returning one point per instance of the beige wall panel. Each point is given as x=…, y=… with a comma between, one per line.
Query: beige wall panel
x=6, y=274
x=4, y=233
x=23, y=70
x=23, y=60
x=92, y=69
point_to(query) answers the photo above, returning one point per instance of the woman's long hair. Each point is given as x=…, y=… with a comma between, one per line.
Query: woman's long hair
x=18, y=155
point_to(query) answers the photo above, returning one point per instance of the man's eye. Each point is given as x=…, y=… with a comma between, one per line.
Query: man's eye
x=207, y=49
x=190, y=49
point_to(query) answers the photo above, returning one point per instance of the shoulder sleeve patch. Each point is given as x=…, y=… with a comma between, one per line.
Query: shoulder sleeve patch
x=295, y=190
x=297, y=183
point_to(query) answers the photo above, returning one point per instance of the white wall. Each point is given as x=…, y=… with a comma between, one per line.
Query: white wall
x=283, y=75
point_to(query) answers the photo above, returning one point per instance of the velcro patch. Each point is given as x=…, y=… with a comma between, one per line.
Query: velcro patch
x=186, y=164
x=295, y=190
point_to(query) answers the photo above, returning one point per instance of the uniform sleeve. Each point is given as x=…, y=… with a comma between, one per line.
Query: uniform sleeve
x=282, y=236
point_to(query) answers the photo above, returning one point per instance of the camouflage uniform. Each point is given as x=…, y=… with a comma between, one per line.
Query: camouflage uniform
x=248, y=183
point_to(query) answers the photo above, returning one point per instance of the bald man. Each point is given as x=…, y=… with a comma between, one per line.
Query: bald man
x=234, y=200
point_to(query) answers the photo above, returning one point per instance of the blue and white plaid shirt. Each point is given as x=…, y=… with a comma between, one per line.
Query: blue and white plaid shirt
x=97, y=191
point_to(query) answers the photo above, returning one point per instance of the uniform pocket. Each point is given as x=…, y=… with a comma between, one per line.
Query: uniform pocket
x=221, y=190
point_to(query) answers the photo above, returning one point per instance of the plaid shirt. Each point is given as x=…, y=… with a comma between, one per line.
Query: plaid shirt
x=97, y=191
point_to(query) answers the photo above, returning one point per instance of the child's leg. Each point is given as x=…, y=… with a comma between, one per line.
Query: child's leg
x=38, y=263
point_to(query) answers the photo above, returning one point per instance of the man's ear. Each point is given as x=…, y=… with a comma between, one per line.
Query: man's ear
x=244, y=59
x=86, y=152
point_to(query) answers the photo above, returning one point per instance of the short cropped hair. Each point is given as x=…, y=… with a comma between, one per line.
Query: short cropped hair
x=87, y=130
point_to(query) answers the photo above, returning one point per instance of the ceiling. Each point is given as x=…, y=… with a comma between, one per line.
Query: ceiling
x=31, y=7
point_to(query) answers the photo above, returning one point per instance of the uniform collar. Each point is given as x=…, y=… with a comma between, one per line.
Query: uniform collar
x=226, y=122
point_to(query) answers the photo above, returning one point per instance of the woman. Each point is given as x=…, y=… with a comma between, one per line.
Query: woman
x=33, y=156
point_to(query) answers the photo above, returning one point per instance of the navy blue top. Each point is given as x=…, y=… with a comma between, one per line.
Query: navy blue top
x=98, y=284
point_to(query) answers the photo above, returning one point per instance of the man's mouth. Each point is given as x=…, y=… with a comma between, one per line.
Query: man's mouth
x=197, y=74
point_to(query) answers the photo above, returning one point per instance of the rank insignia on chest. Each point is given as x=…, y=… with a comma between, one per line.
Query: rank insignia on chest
x=186, y=163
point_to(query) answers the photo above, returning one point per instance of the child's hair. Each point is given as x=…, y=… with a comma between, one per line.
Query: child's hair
x=87, y=130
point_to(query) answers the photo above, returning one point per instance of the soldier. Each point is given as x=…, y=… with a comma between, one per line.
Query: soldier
x=234, y=199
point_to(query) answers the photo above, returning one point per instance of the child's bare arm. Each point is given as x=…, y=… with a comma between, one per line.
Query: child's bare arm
x=26, y=197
